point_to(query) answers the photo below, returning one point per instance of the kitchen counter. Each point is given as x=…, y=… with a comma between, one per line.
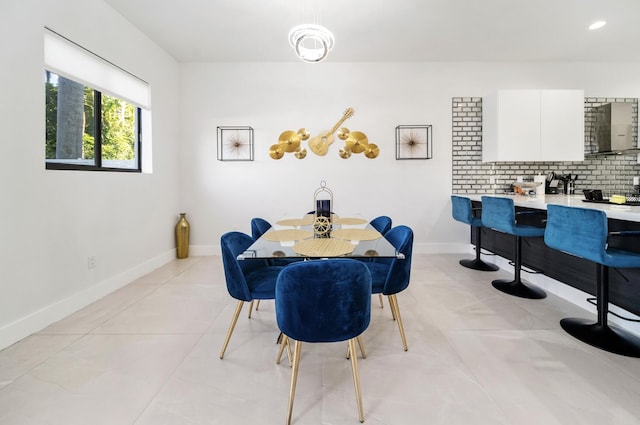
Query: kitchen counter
x=573, y=271
x=540, y=202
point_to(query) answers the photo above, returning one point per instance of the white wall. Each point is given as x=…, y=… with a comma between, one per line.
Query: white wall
x=53, y=220
x=273, y=97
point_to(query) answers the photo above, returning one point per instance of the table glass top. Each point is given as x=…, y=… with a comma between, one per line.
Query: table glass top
x=360, y=242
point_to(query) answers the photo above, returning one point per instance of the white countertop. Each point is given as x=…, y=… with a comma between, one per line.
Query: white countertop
x=620, y=212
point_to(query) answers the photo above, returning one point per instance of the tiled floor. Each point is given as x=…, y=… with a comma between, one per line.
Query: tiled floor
x=148, y=355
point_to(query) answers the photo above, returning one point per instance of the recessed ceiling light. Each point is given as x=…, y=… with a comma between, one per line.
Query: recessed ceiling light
x=597, y=24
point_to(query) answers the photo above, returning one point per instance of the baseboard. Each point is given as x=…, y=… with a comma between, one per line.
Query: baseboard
x=40, y=319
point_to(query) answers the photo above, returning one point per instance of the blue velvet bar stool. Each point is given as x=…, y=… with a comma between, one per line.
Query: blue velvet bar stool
x=463, y=211
x=500, y=214
x=583, y=232
x=324, y=301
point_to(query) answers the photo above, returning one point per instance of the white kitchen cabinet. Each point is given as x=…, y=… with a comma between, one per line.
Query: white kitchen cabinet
x=533, y=125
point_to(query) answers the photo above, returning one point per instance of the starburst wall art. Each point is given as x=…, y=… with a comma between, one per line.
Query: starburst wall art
x=235, y=143
x=413, y=142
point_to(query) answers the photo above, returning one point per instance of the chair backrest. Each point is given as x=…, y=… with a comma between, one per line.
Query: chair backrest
x=499, y=214
x=461, y=209
x=578, y=231
x=324, y=300
x=258, y=227
x=401, y=237
x=232, y=244
x=382, y=224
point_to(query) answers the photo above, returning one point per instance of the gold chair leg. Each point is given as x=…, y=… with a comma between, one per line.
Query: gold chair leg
x=393, y=302
x=356, y=378
x=361, y=345
x=251, y=306
x=231, y=327
x=294, y=378
x=284, y=343
x=380, y=298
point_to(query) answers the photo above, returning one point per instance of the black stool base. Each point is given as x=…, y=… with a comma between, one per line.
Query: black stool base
x=479, y=265
x=604, y=337
x=519, y=289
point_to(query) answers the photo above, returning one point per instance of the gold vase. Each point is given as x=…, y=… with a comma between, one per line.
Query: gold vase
x=182, y=237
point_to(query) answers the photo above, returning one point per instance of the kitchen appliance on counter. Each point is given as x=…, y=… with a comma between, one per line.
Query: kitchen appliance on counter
x=560, y=183
x=569, y=182
x=551, y=184
x=600, y=197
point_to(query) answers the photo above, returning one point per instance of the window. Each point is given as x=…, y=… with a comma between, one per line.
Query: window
x=86, y=129
x=94, y=110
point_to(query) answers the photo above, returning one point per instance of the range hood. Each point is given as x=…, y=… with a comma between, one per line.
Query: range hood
x=613, y=129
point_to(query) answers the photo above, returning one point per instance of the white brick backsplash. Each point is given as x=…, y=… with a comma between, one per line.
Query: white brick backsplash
x=471, y=175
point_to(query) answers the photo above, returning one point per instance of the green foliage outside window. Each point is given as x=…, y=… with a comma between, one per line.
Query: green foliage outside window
x=118, y=124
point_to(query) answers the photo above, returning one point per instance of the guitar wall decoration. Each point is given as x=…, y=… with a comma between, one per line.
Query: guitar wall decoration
x=320, y=144
x=355, y=142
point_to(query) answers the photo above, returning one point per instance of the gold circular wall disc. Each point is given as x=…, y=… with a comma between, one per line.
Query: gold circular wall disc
x=301, y=153
x=357, y=142
x=304, y=134
x=344, y=153
x=276, y=151
x=290, y=140
x=343, y=133
x=372, y=151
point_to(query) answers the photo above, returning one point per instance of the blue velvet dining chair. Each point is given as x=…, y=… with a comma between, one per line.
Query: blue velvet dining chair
x=391, y=275
x=381, y=223
x=462, y=210
x=324, y=301
x=500, y=214
x=259, y=226
x=247, y=280
x=583, y=232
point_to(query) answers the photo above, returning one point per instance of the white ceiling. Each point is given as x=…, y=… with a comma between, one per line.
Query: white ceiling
x=392, y=30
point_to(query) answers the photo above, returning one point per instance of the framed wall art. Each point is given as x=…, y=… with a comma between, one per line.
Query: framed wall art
x=235, y=143
x=413, y=142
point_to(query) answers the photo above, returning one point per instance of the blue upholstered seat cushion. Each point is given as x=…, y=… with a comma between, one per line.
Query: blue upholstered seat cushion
x=324, y=300
x=261, y=282
x=247, y=279
x=391, y=275
x=583, y=232
x=500, y=214
x=379, y=273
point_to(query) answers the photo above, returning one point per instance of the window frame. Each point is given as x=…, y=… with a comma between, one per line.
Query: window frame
x=72, y=61
x=70, y=164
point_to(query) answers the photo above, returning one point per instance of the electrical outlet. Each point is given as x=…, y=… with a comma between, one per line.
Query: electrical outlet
x=91, y=261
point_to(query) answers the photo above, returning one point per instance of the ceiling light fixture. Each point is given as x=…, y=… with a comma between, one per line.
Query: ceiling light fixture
x=597, y=24
x=311, y=42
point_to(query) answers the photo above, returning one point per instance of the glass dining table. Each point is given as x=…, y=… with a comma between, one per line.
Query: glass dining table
x=295, y=238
